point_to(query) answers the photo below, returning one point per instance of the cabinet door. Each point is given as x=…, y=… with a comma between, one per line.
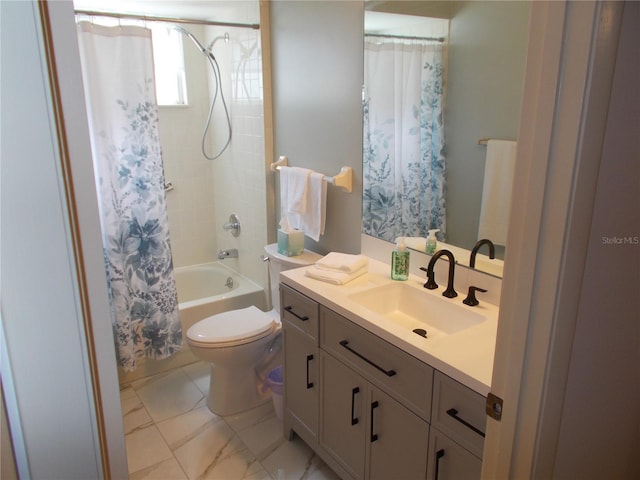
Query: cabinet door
x=449, y=461
x=398, y=440
x=342, y=433
x=301, y=385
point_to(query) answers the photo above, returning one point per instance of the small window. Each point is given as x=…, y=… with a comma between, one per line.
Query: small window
x=171, y=87
x=168, y=57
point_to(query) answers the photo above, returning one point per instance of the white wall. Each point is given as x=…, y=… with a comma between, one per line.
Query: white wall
x=52, y=396
x=207, y=191
x=190, y=205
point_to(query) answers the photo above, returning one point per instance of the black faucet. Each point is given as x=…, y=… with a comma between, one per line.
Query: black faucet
x=431, y=282
x=492, y=251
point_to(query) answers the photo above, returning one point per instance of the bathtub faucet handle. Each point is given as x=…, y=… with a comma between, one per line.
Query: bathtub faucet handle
x=233, y=225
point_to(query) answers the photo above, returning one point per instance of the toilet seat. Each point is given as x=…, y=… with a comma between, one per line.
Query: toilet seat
x=232, y=328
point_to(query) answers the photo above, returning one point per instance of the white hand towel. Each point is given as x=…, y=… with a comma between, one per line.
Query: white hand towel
x=313, y=221
x=342, y=262
x=332, y=276
x=294, y=182
x=496, y=192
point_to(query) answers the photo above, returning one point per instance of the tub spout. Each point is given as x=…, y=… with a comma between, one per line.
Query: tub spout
x=231, y=253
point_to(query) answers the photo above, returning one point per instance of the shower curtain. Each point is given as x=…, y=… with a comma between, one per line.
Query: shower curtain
x=117, y=67
x=404, y=158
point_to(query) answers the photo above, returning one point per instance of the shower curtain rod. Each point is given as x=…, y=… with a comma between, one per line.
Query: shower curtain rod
x=405, y=37
x=254, y=26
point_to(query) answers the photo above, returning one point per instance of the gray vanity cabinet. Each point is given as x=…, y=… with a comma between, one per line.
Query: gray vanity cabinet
x=375, y=403
x=368, y=433
x=449, y=461
x=365, y=406
x=457, y=431
x=344, y=422
x=301, y=365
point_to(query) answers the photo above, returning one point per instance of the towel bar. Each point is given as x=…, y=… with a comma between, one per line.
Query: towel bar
x=344, y=179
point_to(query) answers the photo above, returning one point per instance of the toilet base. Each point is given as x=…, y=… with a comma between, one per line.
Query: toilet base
x=234, y=390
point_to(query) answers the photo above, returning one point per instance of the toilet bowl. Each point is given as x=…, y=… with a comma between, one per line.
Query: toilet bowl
x=240, y=344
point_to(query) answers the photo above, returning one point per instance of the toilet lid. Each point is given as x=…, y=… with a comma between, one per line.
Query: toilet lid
x=235, y=327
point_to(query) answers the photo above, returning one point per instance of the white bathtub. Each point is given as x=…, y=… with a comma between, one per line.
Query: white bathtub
x=210, y=288
x=202, y=292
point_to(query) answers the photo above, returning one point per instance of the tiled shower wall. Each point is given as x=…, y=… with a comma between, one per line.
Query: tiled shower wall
x=207, y=191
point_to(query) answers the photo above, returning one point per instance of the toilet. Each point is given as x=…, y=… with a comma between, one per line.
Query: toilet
x=239, y=343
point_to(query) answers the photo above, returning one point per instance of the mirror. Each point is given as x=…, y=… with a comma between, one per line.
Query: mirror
x=482, y=61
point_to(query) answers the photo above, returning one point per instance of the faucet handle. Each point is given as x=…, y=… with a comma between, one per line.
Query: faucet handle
x=431, y=281
x=471, y=299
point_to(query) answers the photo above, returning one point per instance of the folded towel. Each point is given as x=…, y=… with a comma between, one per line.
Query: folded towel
x=312, y=222
x=294, y=184
x=342, y=262
x=332, y=276
x=496, y=191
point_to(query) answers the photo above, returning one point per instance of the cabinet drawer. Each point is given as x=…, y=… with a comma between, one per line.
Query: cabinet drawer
x=459, y=412
x=399, y=374
x=299, y=310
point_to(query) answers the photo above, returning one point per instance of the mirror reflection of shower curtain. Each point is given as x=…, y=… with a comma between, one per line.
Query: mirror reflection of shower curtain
x=117, y=68
x=403, y=155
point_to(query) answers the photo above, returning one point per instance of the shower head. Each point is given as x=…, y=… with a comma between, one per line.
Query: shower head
x=224, y=37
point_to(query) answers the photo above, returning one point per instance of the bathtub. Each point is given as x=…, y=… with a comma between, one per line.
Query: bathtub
x=210, y=288
x=203, y=290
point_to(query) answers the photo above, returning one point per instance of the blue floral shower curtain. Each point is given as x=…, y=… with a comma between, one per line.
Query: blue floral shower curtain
x=404, y=158
x=117, y=66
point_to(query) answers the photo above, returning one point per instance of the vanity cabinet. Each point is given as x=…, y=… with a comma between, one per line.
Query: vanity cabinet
x=368, y=433
x=457, y=431
x=369, y=409
x=301, y=365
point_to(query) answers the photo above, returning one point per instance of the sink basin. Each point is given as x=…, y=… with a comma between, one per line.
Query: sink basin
x=414, y=308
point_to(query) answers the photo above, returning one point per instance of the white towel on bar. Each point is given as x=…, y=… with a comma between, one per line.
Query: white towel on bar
x=496, y=191
x=312, y=222
x=332, y=276
x=342, y=262
x=294, y=184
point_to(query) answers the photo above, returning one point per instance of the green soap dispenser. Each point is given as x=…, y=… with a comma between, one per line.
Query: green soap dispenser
x=432, y=241
x=400, y=261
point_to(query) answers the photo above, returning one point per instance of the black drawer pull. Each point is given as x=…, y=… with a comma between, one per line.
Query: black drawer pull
x=452, y=412
x=374, y=436
x=289, y=309
x=439, y=455
x=309, y=384
x=354, y=392
x=388, y=373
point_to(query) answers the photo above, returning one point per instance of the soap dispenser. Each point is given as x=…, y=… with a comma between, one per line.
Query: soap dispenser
x=432, y=241
x=400, y=261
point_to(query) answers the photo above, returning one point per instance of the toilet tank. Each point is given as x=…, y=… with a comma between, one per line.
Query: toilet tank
x=279, y=263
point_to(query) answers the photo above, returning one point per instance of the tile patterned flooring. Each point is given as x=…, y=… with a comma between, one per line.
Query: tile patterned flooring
x=170, y=434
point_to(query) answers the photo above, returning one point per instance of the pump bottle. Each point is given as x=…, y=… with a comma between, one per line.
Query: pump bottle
x=432, y=241
x=400, y=261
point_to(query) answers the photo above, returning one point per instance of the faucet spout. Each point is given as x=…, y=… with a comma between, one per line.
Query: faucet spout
x=431, y=282
x=474, y=252
x=231, y=253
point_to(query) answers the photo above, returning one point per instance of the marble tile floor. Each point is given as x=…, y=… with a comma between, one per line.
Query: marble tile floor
x=170, y=434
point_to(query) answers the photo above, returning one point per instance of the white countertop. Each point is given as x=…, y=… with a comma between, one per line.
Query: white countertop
x=466, y=356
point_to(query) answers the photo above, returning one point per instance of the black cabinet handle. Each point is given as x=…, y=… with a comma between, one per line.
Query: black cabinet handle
x=354, y=392
x=388, y=373
x=374, y=436
x=439, y=455
x=289, y=309
x=309, y=384
x=452, y=412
